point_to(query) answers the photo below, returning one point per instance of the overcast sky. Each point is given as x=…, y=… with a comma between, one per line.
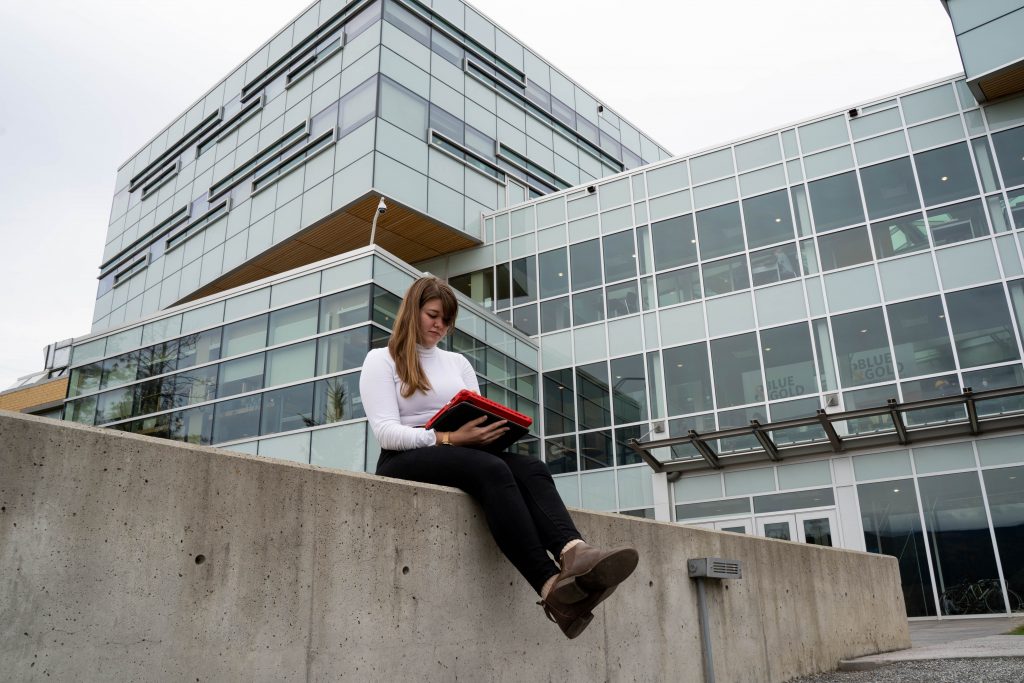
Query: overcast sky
x=86, y=83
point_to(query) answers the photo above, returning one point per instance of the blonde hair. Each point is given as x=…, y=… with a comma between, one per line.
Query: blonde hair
x=405, y=334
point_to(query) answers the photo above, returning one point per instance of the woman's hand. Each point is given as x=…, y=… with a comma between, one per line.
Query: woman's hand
x=476, y=433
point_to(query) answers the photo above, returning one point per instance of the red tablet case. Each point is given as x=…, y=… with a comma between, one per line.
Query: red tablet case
x=467, y=405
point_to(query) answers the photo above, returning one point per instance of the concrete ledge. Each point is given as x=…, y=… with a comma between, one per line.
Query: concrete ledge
x=127, y=558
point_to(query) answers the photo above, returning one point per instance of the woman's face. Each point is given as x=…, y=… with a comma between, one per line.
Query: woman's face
x=432, y=324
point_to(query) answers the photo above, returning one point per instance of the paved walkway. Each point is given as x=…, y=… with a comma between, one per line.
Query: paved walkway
x=950, y=639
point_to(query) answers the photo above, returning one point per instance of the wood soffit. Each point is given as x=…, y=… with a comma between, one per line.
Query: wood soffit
x=408, y=234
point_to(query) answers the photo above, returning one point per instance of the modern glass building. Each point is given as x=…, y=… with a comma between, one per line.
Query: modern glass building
x=813, y=334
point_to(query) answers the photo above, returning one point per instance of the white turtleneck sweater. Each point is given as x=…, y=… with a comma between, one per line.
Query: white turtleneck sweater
x=394, y=419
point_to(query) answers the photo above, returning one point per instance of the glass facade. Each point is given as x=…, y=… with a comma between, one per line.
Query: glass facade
x=841, y=263
x=836, y=264
x=434, y=107
x=281, y=381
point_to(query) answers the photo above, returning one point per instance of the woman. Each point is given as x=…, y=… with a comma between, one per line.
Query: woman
x=403, y=385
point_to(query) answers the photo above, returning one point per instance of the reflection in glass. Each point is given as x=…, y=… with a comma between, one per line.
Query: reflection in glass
x=845, y=248
x=194, y=425
x=594, y=403
x=727, y=275
x=836, y=201
x=933, y=387
x=687, y=379
x=674, y=242
x=737, y=370
x=559, y=402
x=586, y=264
x=622, y=299
x=196, y=349
x=982, y=330
x=1005, y=490
x=342, y=351
x=862, y=348
x=502, y=286
x=719, y=231
x=560, y=454
x=892, y=526
x=897, y=236
x=85, y=379
x=291, y=363
x=889, y=188
x=1009, y=146
x=788, y=362
x=767, y=219
x=245, y=335
x=524, y=279
x=287, y=409
x=997, y=378
x=595, y=450
x=293, y=322
x=587, y=307
x=619, y=256
x=773, y=265
x=195, y=386
x=678, y=286
x=241, y=375
x=554, y=314
x=629, y=389
x=352, y=307
x=920, y=337
x=115, y=405
x=238, y=418
x=120, y=370
x=624, y=454
x=958, y=222
x=961, y=544
x=872, y=397
x=946, y=174
x=158, y=359
x=778, y=530
x=553, y=270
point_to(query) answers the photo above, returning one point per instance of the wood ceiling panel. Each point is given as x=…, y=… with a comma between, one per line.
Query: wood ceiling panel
x=406, y=233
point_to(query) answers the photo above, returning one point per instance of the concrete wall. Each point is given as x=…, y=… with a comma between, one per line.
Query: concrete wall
x=315, y=574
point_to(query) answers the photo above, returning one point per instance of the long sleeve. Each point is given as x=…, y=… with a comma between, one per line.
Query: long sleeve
x=380, y=401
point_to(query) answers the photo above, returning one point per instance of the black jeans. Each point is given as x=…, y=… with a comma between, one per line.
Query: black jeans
x=523, y=509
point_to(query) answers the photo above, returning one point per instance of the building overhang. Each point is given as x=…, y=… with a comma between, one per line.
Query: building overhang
x=404, y=232
x=1001, y=82
x=894, y=425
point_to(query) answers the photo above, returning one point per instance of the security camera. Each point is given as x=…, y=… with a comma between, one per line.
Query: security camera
x=382, y=207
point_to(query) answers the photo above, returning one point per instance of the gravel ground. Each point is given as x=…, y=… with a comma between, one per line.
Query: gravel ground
x=1001, y=670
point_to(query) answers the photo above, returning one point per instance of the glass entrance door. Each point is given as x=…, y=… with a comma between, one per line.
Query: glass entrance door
x=816, y=528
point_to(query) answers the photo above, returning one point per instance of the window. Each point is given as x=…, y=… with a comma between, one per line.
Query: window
x=719, y=231
x=294, y=322
x=788, y=362
x=554, y=314
x=238, y=418
x=342, y=351
x=946, y=174
x=559, y=402
x=594, y=402
x=524, y=280
x=337, y=399
x=587, y=307
x=862, y=348
x=287, y=409
x=346, y=308
x=768, y=219
x=623, y=299
x=920, y=338
x=958, y=222
x=1009, y=146
x=737, y=370
x=553, y=272
x=629, y=389
x=845, y=248
x=478, y=286
x=889, y=188
x=678, y=286
x=245, y=335
x=674, y=242
x=687, y=379
x=836, y=202
x=775, y=264
x=619, y=256
x=241, y=375
x=727, y=275
x=586, y=264
x=982, y=329
x=902, y=235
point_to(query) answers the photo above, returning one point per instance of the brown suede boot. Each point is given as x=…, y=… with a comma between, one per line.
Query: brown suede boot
x=574, y=617
x=587, y=570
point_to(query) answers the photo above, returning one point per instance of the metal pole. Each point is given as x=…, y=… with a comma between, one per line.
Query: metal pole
x=705, y=636
x=373, y=227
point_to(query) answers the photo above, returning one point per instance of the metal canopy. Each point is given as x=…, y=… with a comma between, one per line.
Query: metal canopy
x=893, y=424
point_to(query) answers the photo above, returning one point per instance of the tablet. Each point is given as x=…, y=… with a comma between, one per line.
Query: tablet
x=468, y=405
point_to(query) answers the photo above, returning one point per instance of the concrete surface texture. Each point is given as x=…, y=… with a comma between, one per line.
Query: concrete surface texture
x=950, y=639
x=127, y=558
